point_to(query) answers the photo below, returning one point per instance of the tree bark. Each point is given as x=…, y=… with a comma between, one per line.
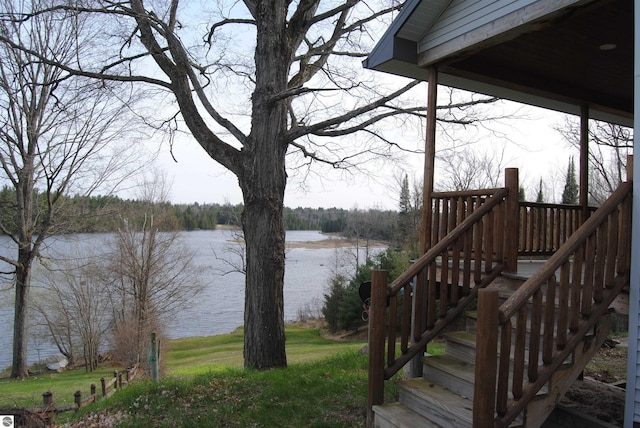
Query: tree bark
x=263, y=181
x=20, y=367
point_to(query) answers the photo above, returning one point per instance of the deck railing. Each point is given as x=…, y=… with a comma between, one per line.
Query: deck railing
x=469, y=252
x=545, y=227
x=583, y=277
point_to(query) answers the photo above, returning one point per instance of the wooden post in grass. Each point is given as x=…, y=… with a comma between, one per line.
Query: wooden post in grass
x=154, y=358
x=77, y=398
x=47, y=399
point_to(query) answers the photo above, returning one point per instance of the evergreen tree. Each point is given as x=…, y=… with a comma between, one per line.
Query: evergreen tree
x=405, y=224
x=521, y=194
x=570, y=193
x=540, y=198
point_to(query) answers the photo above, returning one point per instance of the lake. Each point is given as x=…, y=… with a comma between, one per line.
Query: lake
x=219, y=308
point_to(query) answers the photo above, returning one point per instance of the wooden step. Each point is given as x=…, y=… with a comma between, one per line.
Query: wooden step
x=456, y=375
x=461, y=345
x=396, y=415
x=435, y=403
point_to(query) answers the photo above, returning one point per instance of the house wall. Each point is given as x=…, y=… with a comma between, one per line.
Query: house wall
x=466, y=23
x=632, y=405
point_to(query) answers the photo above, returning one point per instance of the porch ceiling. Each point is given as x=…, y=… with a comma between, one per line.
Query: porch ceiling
x=560, y=61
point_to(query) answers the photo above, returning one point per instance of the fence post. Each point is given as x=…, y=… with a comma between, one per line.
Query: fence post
x=47, y=399
x=93, y=389
x=119, y=379
x=376, y=340
x=154, y=357
x=48, y=410
x=512, y=226
x=484, y=393
x=77, y=398
x=103, y=381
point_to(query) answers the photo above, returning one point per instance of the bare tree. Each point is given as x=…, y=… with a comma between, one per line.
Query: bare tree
x=609, y=146
x=152, y=277
x=74, y=305
x=267, y=88
x=469, y=167
x=55, y=137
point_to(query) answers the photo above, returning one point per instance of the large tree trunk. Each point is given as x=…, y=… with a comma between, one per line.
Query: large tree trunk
x=23, y=283
x=263, y=181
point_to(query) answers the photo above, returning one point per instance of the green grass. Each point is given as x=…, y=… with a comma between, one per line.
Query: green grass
x=325, y=385
x=28, y=392
x=196, y=355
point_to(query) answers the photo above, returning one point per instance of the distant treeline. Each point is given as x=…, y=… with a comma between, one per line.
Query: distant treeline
x=101, y=214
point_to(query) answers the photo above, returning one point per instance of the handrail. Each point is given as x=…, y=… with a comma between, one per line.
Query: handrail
x=519, y=298
x=432, y=286
x=545, y=227
x=593, y=268
x=437, y=249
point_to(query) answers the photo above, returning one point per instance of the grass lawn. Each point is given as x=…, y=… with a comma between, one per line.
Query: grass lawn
x=205, y=385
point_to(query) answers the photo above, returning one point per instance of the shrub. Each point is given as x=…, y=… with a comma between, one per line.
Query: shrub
x=343, y=307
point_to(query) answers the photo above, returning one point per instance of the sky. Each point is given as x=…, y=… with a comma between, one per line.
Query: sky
x=535, y=147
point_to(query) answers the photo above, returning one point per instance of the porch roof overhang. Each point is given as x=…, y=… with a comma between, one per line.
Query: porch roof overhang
x=556, y=54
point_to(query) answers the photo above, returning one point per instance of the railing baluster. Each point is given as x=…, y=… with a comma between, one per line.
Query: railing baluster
x=612, y=250
x=405, y=323
x=587, y=281
x=502, y=392
x=432, y=296
x=549, y=320
x=468, y=247
x=563, y=305
x=576, y=286
x=598, y=280
x=391, y=340
x=535, y=335
x=518, y=353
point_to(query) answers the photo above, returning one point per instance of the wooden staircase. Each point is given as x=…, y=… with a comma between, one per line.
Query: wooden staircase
x=443, y=396
x=533, y=338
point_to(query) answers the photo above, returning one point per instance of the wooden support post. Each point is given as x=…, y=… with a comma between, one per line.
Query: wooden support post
x=629, y=167
x=484, y=393
x=93, y=389
x=429, y=161
x=512, y=219
x=376, y=341
x=103, y=381
x=115, y=377
x=584, y=162
x=426, y=223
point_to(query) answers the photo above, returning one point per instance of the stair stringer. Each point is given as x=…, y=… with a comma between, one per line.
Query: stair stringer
x=539, y=409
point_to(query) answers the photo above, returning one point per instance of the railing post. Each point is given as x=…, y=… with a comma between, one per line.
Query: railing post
x=512, y=219
x=376, y=341
x=103, y=382
x=93, y=389
x=484, y=393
